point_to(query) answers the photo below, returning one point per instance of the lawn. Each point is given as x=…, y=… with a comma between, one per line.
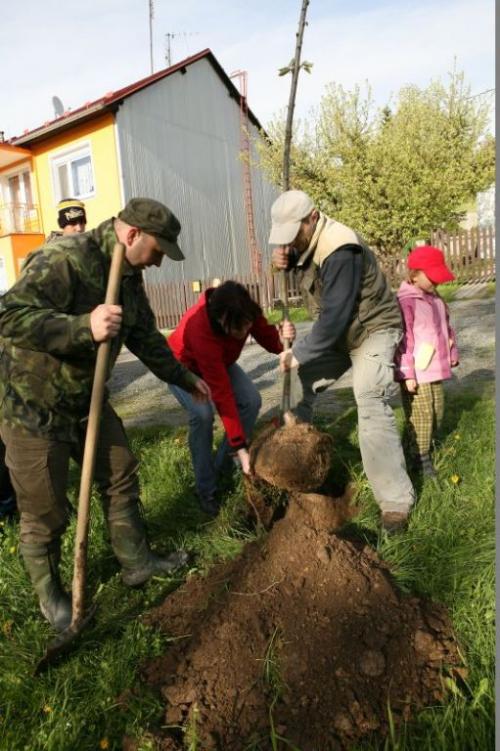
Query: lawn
x=447, y=554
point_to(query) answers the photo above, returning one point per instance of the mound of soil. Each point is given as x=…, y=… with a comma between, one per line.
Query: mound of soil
x=293, y=457
x=307, y=623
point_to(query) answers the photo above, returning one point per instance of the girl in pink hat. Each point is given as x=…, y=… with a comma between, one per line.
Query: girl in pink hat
x=427, y=351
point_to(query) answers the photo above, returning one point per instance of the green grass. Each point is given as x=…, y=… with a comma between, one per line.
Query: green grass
x=94, y=696
x=296, y=315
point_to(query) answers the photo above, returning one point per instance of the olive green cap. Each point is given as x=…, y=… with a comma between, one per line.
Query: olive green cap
x=156, y=219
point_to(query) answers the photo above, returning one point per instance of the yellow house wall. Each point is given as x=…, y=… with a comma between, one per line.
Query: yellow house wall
x=14, y=249
x=6, y=252
x=106, y=201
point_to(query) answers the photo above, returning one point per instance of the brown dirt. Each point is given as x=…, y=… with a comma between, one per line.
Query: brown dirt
x=293, y=457
x=306, y=619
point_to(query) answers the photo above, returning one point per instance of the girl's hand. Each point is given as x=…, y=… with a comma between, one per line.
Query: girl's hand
x=454, y=363
x=411, y=385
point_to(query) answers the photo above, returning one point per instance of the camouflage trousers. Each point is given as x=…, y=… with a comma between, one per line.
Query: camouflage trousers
x=39, y=469
x=424, y=412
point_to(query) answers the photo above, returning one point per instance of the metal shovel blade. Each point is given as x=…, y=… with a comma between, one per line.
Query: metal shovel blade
x=64, y=641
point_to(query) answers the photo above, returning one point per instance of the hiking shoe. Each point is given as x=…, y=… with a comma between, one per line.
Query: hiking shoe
x=422, y=463
x=155, y=566
x=8, y=507
x=209, y=506
x=394, y=521
x=427, y=467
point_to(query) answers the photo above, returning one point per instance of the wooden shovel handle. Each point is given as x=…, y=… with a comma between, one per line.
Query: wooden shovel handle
x=285, y=396
x=91, y=438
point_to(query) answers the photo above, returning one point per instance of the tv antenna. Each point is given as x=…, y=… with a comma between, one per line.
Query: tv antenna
x=151, y=16
x=58, y=106
x=169, y=38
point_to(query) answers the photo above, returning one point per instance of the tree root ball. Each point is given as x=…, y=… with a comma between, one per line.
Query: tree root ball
x=293, y=457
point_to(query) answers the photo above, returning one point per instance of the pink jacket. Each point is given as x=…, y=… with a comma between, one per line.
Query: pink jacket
x=428, y=346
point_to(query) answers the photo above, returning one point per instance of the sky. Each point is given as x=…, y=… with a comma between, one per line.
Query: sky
x=80, y=51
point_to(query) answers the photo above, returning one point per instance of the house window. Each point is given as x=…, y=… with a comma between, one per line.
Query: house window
x=18, y=212
x=72, y=174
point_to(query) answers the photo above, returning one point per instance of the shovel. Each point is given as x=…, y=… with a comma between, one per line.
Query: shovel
x=80, y=618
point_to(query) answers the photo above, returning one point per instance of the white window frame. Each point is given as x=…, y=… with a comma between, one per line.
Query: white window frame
x=18, y=171
x=66, y=158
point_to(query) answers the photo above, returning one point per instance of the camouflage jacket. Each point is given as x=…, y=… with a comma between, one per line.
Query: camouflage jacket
x=47, y=353
x=54, y=235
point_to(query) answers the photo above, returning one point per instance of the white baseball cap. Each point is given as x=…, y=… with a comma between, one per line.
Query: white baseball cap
x=287, y=212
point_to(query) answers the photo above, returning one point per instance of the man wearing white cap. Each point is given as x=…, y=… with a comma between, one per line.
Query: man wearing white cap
x=358, y=324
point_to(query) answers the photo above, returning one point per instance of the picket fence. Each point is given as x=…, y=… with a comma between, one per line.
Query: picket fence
x=469, y=253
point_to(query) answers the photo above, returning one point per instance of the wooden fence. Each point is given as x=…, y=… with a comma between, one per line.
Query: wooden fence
x=170, y=300
x=470, y=254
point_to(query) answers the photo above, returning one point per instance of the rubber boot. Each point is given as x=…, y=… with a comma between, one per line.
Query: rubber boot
x=128, y=539
x=42, y=562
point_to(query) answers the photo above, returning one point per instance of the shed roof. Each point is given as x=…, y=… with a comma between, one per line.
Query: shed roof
x=111, y=101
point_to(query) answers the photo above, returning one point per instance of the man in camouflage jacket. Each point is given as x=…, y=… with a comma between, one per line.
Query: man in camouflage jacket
x=51, y=322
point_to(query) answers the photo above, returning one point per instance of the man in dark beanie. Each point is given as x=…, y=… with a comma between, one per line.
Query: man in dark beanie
x=51, y=322
x=71, y=218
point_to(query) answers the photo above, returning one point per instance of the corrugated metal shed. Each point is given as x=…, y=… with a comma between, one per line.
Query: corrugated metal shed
x=180, y=143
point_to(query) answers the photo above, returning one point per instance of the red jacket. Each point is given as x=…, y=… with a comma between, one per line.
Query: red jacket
x=199, y=348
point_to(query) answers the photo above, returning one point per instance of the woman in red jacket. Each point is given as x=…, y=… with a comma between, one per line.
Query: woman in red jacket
x=209, y=340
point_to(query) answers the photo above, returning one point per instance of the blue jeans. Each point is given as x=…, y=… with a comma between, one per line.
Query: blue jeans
x=201, y=427
x=379, y=439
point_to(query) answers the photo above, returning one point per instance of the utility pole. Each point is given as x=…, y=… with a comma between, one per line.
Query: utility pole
x=151, y=14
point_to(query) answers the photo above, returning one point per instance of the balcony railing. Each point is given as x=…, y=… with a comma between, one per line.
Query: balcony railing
x=19, y=218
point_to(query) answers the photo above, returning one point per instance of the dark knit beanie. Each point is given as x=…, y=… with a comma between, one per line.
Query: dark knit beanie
x=70, y=211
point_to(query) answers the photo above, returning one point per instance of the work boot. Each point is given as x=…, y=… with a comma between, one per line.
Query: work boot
x=394, y=521
x=42, y=562
x=130, y=545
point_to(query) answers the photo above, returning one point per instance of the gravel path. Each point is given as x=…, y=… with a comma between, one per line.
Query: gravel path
x=142, y=399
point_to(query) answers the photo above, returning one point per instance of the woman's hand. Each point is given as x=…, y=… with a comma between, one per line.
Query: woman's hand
x=244, y=459
x=287, y=331
x=201, y=391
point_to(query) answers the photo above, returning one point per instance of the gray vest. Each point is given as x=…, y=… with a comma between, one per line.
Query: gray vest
x=376, y=306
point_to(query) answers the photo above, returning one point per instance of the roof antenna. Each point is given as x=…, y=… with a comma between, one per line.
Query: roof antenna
x=151, y=16
x=58, y=106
